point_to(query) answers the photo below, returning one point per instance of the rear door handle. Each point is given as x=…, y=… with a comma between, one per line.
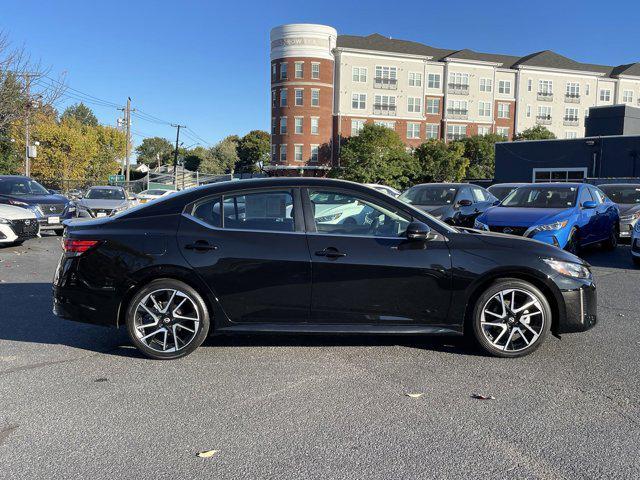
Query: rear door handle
x=201, y=246
x=330, y=252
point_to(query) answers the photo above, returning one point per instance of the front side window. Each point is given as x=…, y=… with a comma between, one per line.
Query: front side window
x=481, y=195
x=271, y=210
x=337, y=213
x=431, y=195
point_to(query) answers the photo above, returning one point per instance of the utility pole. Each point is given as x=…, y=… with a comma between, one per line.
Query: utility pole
x=175, y=155
x=127, y=122
x=27, y=126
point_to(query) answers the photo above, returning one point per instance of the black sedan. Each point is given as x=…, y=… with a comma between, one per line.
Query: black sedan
x=261, y=256
x=454, y=203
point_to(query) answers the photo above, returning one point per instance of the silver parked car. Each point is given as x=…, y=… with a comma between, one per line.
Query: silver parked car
x=104, y=202
x=627, y=196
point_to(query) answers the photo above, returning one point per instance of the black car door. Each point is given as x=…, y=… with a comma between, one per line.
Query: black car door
x=250, y=248
x=364, y=268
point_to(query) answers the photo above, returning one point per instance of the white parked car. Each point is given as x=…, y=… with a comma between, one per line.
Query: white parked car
x=17, y=224
x=384, y=189
x=635, y=244
x=152, y=194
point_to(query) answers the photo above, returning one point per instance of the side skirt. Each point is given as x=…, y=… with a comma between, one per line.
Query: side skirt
x=306, y=328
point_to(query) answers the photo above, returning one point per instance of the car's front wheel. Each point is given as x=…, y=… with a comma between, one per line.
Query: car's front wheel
x=612, y=242
x=511, y=318
x=167, y=319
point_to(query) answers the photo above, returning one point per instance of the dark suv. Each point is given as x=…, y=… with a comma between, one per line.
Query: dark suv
x=50, y=209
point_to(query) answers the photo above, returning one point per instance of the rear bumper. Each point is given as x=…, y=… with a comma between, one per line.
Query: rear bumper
x=580, y=307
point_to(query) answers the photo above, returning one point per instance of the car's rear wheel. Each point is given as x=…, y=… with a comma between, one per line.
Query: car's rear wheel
x=612, y=242
x=511, y=318
x=167, y=319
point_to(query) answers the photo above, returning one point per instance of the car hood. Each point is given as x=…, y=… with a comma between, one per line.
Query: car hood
x=521, y=217
x=99, y=203
x=11, y=212
x=38, y=199
x=628, y=208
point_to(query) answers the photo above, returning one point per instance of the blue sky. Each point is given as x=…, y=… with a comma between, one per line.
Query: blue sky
x=205, y=64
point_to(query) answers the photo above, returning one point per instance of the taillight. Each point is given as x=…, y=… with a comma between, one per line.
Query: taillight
x=72, y=245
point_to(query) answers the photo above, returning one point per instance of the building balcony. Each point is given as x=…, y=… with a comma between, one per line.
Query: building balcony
x=545, y=96
x=571, y=121
x=385, y=83
x=457, y=113
x=543, y=119
x=458, y=88
x=382, y=109
x=572, y=98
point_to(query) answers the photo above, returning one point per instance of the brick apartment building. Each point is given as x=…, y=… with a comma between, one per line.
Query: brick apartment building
x=325, y=87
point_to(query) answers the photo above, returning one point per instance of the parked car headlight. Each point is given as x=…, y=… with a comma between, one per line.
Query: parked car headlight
x=18, y=203
x=4, y=221
x=630, y=218
x=568, y=269
x=545, y=228
x=329, y=218
x=478, y=225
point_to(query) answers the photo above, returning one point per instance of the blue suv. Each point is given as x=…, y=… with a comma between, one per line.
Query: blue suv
x=50, y=209
x=567, y=215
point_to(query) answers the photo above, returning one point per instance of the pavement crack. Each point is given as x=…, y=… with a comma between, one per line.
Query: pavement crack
x=6, y=431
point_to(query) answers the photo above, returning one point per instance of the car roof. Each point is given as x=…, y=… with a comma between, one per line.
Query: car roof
x=515, y=184
x=559, y=184
x=444, y=184
x=105, y=187
x=635, y=185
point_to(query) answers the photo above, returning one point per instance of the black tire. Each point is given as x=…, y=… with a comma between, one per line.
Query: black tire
x=59, y=231
x=573, y=245
x=18, y=243
x=636, y=261
x=542, y=326
x=612, y=242
x=134, y=318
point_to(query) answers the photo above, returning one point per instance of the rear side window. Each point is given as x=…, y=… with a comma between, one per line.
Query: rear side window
x=209, y=212
x=272, y=210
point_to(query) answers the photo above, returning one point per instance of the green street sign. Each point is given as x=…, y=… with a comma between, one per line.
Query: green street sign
x=116, y=178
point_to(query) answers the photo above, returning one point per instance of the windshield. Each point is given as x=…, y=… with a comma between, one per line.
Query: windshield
x=623, y=194
x=501, y=192
x=153, y=192
x=541, y=197
x=436, y=195
x=21, y=186
x=105, y=194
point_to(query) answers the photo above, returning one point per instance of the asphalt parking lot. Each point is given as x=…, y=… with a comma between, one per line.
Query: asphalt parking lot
x=79, y=402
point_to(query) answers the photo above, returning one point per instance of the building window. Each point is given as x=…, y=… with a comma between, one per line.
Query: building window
x=298, y=125
x=359, y=74
x=504, y=87
x=283, y=152
x=386, y=73
x=299, y=69
x=457, y=107
x=414, y=104
x=503, y=131
x=384, y=105
x=484, y=109
x=484, y=130
x=359, y=101
x=314, y=153
x=415, y=79
x=273, y=125
x=545, y=88
x=529, y=85
x=605, y=95
x=573, y=90
x=273, y=98
x=570, y=135
x=627, y=96
x=413, y=130
x=299, y=97
x=571, y=114
x=283, y=97
x=386, y=124
x=433, y=130
x=458, y=79
x=586, y=89
x=528, y=111
x=315, y=97
x=283, y=125
x=274, y=71
x=314, y=125
x=456, y=132
x=544, y=115
x=433, y=106
x=297, y=152
x=504, y=110
x=559, y=174
x=315, y=70
x=356, y=127
x=486, y=84
x=273, y=153
x=283, y=71
x=433, y=80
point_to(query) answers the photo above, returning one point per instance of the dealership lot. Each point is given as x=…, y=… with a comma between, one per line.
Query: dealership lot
x=78, y=401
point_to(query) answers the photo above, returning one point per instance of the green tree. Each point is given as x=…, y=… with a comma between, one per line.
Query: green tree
x=480, y=150
x=539, y=132
x=10, y=160
x=153, y=149
x=111, y=144
x=376, y=155
x=252, y=148
x=195, y=157
x=441, y=162
x=223, y=158
x=81, y=113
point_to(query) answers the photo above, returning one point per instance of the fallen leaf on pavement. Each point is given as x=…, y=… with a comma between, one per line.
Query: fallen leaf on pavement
x=207, y=453
x=477, y=396
x=414, y=395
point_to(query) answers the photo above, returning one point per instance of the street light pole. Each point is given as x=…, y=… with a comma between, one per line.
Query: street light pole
x=175, y=155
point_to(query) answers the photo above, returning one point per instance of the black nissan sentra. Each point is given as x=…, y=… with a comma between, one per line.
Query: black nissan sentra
x=261, y=256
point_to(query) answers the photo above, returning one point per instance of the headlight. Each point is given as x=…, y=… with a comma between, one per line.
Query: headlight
x=329, y=218
x=478, y=225
x=568, y=269
x=4, y=221
x=630, y=218
x=71, y=207
x=544, y=228
x=18, y=203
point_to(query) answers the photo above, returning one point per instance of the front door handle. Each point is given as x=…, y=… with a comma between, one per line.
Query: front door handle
x=201, y=246
x=330, y=252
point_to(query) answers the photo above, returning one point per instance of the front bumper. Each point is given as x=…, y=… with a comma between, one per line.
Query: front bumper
x=19, y=230
x=580, y=309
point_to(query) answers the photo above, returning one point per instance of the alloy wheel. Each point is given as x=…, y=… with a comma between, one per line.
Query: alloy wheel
x=166, y=320
x=512, y=320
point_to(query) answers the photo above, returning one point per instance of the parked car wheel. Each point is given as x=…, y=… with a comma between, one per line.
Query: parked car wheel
x=612, y=242
x=573, y=245
x=511, y=318
x=167, y=319
x=59, y=231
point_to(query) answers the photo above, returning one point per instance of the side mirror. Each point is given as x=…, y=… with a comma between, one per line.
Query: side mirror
x=497, y=202
x=419, y=231
x=589, y=204
x=464, y=203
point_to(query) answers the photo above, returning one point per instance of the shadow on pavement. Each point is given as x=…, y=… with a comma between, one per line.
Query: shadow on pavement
x=618, y=258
